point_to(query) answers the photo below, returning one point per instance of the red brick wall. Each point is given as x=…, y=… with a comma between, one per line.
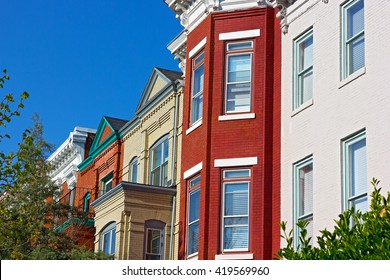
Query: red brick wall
x=216, y=139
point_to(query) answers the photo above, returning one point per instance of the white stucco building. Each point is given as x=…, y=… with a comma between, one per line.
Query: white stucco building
x=335, y=107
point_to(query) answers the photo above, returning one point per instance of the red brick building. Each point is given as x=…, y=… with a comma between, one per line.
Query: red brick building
x=230, y=193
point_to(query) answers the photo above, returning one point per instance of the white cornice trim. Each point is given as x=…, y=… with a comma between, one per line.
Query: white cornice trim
x=239, y=34
x=231, y=162
x=193, y=170
x=234, y=257
x=197, y=48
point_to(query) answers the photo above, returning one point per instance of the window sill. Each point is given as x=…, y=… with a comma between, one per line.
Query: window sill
x=352, y=77
x=193, y=257
x=194, y=126
x=305, y=105
x=234, y=257
x=237, y=117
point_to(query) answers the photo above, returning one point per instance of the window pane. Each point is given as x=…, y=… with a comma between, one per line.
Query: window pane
x=198, y=80
x=358, y=168
x=113, y=237
x=306, y=189
x=355, y=15
x=193, y=238
x=106, y=243
x=194, y=206
x=236, y=221
x=156, y=156
x=156, y=177
x=306, y=86
x=236, y=174
x=195, y=182
x=133, y=170
x=239, y=68
x=197, y=106
x=360, y=204
x=306, y=54
x=356, y=54
x=238, y=97
x=236, y=238
x=199, y=58
x=153, y=245
x=236, y=199
x=166, y=150
x=239, y=46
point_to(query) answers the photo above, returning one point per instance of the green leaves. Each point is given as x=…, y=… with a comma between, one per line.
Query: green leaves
x=356, y=235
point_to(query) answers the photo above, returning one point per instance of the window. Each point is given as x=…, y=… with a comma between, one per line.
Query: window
x=107, y=183
x=355, y=172
x=303, y=69
x=159, y=163
x=107, y=239
x=154, y=240
x=235, y=210
x=303, y=196
x=197, y=88
x=87, y=201
x=352, y=14
x=238, y=77
x=133, y=170
x=193, y=217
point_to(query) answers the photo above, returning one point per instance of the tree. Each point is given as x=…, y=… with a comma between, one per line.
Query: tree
x=26, y=206
x=356, y=235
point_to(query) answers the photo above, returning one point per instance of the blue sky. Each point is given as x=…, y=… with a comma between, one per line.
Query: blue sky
x=81, y=59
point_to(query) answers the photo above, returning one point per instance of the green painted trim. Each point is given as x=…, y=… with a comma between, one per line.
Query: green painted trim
x=71, y=221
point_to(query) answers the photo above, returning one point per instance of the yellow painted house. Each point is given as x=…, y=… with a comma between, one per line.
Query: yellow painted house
x=138, y=218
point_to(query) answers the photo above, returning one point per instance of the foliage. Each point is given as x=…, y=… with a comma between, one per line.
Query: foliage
x=356, y=235
x=27, y=209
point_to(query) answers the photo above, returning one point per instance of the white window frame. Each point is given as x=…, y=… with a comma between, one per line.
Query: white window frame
x=298, y=89
x=348, y=199
x=197, y=95
x=164, y=144
x=228, y=181
x=160, y=245
x=133, y=167
x=106, y=180
x=108, y=231
x=193, y=189
x=346, y=59
x=232, y=53
x=298, y=199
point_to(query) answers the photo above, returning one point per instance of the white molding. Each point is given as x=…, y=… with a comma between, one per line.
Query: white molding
x=234, y=257
x=240, y=34
x=194, y=126
x=229, y=162
x=237, y=117
x=192, y=171
x=197, y=48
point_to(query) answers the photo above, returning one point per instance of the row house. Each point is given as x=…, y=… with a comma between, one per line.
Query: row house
x=138, y=176
x=230, y=174
x=77, y=222
x=335, y=108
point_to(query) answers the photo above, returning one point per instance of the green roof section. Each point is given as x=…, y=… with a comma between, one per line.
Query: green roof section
x=99, y=144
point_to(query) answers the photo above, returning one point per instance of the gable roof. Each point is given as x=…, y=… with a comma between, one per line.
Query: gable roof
x=158, y=82
x=106, y=134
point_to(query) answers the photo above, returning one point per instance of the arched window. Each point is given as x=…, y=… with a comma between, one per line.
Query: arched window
x=154, y=240
x=133, y=170
x=159, y=162
x=87, y=201
x=107, y=239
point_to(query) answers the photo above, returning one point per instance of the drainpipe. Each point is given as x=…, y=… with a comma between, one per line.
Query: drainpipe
x=174, y=165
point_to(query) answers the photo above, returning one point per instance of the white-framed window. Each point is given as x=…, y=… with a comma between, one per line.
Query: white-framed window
x=197, y=88
x=238, y=88
x=303, y=196
x=355, y=172
x=159, y=162
x=133, y=166
x=353, y=46
x=154, y=240
x=235, y=219
x=107, y=239
x=107, y=183
x=303, y=69
x=193, y=217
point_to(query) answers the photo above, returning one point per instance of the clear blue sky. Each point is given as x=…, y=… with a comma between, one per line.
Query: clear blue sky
x=81, y=59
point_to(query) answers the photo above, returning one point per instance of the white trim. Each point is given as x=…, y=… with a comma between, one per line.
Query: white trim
x=194, y=126
x=193, y=170
x=234, y=257
x=197, y=48
x=237, y=117
x=235, y=162
x=239, y=34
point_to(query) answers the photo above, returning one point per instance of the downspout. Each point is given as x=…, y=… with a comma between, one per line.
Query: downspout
x=174, y=166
